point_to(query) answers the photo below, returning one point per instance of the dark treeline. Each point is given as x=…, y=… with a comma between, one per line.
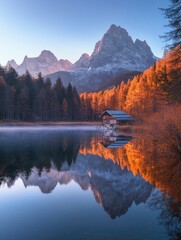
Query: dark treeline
x=20, y=153
x=24, y=98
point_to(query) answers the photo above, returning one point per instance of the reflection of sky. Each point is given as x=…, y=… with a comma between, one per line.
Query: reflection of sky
x=19, y=188
x=69, y=213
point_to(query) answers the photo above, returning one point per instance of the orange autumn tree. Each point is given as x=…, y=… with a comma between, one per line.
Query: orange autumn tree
x=149, y=92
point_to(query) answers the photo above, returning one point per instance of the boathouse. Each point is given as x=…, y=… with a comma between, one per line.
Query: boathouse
x=111, y=118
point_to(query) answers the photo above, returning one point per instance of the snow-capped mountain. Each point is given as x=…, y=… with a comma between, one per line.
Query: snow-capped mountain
x=45, y=63
x=116, y=54
x=117, y=50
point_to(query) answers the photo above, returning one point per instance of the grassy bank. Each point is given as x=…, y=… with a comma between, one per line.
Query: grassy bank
x=164, y=128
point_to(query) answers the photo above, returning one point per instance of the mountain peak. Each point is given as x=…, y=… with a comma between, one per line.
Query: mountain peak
x=143, y=46
x=26, y=59
x=65, y=64
x=117, y=30
x=115, y=41
x=85, y=55
x=47, y=54
x=83, y=61
x=12, y=63
x=141, y=42
x=113, y=27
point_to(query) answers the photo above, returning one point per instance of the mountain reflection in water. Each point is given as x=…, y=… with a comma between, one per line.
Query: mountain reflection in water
x=118, y=177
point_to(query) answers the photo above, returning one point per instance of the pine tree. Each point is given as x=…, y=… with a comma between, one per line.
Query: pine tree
x=76, y=104
x=11, y=76
x=28, y=81
x=173, y=37
x=24, y=104
x=3, y=90
x=65, y=109
x=2, y=71
x=69, y=98
x=48, y=100
x=59, y=94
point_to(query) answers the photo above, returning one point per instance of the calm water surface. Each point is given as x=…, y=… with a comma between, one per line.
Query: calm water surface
x=73, y=184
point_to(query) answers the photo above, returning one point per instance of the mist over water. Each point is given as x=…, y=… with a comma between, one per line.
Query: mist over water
x=32, y=129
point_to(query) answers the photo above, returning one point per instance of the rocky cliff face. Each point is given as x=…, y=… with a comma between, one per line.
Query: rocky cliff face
x=117, y=50
x=115, y=54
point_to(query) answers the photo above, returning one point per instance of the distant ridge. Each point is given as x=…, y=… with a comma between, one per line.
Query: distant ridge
x=116, y=54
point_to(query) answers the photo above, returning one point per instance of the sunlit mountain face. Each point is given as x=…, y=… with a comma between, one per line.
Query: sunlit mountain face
x=115, y=58
x=132, y=175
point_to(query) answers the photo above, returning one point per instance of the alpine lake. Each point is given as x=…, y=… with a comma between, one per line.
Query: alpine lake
x=74, y=183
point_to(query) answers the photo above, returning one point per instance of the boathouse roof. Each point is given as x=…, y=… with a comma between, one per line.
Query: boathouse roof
x=118, y=115
x=118, y=143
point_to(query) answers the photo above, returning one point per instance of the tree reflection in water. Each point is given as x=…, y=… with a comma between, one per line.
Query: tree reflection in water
x=21, y=152
x=170, y=213
x=159, y=166
x=117, y=177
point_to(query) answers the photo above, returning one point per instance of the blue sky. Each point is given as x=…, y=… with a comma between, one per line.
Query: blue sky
x=69, y=28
